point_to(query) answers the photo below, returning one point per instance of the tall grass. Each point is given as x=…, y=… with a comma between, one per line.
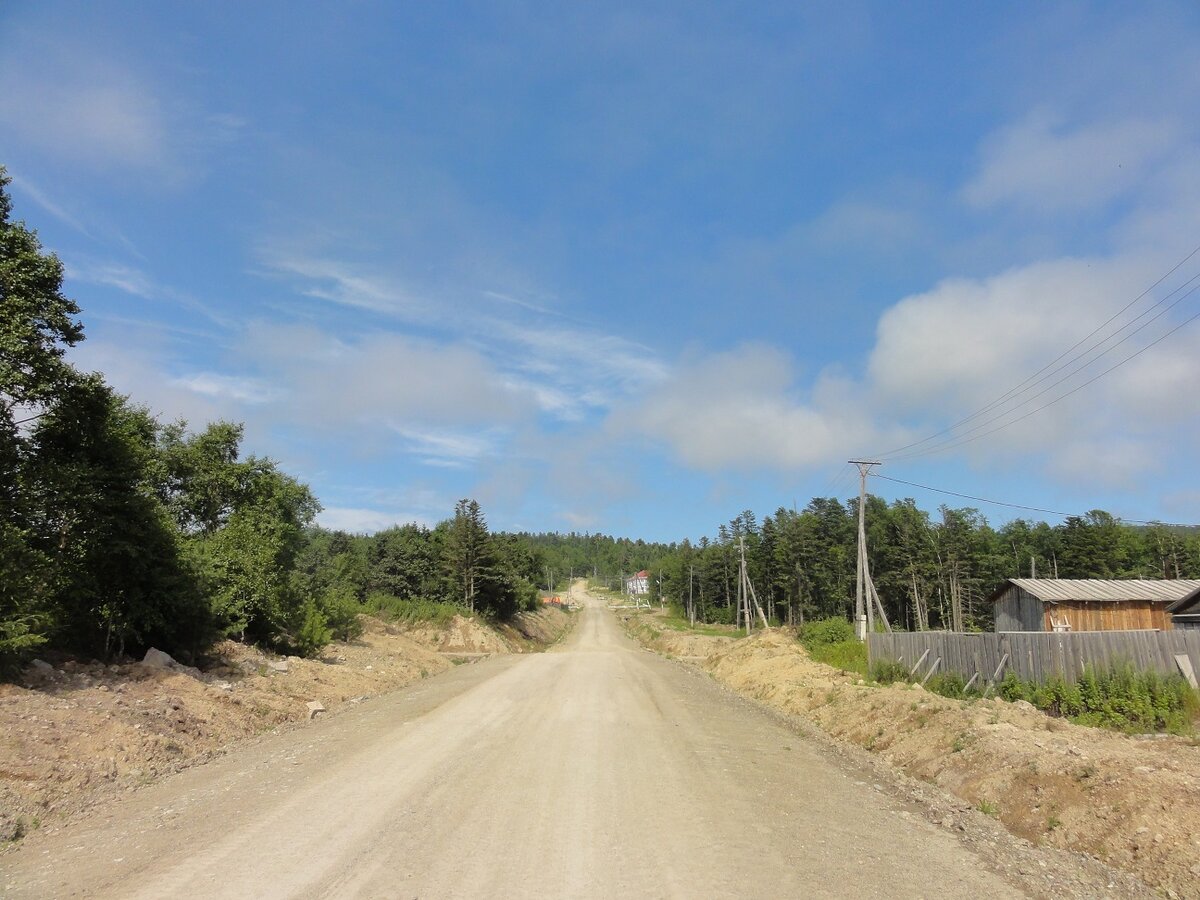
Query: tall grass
x=395, y=609
x=1121, y=697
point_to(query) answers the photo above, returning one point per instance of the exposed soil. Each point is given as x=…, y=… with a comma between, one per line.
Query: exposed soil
x=1131, y=801
x=78, y=733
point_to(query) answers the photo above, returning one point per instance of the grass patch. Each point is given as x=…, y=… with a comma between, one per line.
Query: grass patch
x=678, y=623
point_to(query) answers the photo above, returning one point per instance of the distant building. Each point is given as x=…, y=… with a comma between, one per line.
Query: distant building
x=1088, y=604
x=639, y=584
x=1185, y=612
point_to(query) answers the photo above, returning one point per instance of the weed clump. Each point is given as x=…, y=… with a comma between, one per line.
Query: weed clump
x=888, y=671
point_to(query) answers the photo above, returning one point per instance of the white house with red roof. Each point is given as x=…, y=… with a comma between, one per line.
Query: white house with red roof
x=639, y=584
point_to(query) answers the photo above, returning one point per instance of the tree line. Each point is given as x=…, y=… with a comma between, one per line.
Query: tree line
x=932, y=571
x=119, y=532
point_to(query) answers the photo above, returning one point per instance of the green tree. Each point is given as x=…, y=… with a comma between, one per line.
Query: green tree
x=121, y=582
x=37, y=324
x=464, y=554
x=247, y=563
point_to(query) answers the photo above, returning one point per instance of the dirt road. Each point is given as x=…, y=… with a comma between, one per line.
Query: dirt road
x=594, y=770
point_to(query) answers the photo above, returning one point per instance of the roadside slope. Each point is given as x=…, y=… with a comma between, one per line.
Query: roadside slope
x=79, y=734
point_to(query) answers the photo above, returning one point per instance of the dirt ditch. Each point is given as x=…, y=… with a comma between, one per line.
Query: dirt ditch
x=77, y=733
x=1130, y=801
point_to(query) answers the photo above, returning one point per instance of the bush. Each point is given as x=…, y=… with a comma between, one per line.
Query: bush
x=341, y=609
x=721, y=615
x=948, y=684
x=314, y=632
x=888, y=671
x=1013, y=688
x=826, y=631
x=850, y=656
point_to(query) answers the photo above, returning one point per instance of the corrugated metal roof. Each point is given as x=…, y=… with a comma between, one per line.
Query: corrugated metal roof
x=1187, y=602
x=1059, y=590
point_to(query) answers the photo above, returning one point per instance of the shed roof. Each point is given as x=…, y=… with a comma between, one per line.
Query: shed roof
x=1110, y=590
x=1188, y=603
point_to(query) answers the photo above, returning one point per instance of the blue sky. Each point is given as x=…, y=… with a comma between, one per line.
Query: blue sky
x=629, y=269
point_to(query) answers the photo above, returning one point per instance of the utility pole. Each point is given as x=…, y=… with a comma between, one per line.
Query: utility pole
x=748, y=600
x=866, y=598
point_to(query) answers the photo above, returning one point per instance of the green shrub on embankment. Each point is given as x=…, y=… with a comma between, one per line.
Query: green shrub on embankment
x=832, y=642
x=1121, y=698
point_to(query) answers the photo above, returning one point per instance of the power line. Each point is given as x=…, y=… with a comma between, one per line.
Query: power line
x=951, y=441
x=1050, y=512
x=1035, y=378
x=963, y=440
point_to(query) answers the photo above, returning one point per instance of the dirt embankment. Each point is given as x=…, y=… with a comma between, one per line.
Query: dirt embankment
x=77, y=733
x=1133, y=802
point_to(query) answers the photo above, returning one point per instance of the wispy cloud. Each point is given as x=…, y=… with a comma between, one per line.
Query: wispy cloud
x=138, y=283
x=73, y=104
x=1043, y=163
x=243, y=390
x=570, y=370
x=343, y=284
x=447, y=448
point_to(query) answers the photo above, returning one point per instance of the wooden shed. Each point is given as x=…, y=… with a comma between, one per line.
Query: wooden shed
x=1185, y=612
x=1088, y=604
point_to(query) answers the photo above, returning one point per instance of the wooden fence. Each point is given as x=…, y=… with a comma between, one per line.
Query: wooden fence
x=1033, y=655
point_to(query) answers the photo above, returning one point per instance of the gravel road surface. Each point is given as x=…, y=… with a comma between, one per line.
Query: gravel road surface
x=594, y=770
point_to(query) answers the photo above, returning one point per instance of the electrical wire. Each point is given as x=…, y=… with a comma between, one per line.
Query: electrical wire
x=1051, y=512
x=940, y=448
x=1039, y=376
x=955, y=440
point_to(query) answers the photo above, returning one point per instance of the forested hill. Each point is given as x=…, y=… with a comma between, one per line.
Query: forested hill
x=598, y=556
x=929, y=568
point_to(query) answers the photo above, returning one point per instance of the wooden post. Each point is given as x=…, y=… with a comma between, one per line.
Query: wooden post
x=937, y=662
x=996, y=675
x=917, y=664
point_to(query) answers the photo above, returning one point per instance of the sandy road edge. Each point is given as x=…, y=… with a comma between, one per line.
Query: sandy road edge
x=82, y=737
x=1039, y=871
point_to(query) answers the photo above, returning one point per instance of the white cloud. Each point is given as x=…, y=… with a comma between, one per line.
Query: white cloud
x=380, y=379
x=947, y=353
x=364, y=521
x=742, y=408
x=243, y=390
x=1042, y=164
x=138, y=368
